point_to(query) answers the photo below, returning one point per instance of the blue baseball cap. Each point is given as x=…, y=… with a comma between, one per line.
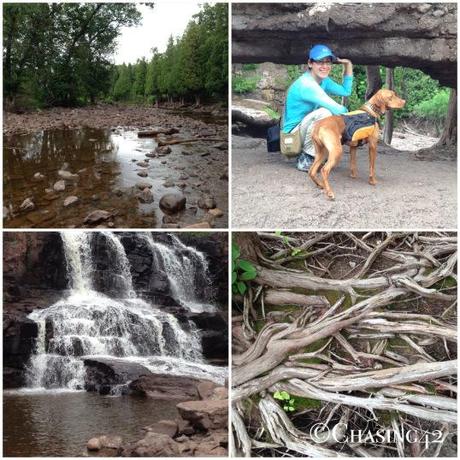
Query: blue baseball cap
x=319, y=52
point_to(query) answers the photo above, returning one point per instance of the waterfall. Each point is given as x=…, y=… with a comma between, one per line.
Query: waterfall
x=182, y=264
x=77, y=252
x=87, y=323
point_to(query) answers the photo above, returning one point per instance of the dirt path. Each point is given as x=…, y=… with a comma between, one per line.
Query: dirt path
x=269, y=193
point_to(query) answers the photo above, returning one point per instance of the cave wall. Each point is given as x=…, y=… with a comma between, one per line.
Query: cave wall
x=416, y=35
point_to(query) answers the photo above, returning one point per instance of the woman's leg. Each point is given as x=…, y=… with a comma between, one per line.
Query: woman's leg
x=307, y=156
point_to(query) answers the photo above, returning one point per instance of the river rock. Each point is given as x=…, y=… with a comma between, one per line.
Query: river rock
x=59, y=186
x=216, y=212
x=205, y=415
x=67, y=175
x=172, y=203
x=27, y=205
x=163, y=150
x=70, y=200
x=154, y=445
x=146, y=196
x=168, y=183
x=97, y=216
x=167, y=427
x=151, y=155
x=143, y=185
x=38, y=176
x=142, y=164
x=183, y=176
x=94, y=444
x=142, y=173
x=207, y=202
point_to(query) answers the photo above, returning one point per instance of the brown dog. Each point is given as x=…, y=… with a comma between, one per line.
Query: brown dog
x=327, y=134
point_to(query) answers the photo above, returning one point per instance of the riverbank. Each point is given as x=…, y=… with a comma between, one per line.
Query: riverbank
x=112, y=115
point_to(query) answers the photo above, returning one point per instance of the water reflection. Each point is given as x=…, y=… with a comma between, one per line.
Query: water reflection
x=60, y=424
x=108, y=163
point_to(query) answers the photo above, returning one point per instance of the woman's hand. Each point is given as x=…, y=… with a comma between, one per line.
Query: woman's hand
x=347, y=66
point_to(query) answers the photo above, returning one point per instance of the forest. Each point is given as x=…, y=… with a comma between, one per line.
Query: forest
x=61, y=54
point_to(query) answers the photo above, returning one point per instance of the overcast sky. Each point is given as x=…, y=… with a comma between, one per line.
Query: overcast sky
x=158, y=24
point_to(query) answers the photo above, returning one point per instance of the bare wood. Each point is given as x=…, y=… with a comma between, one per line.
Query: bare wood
x=279, y=297
x=299, y=388
x=162, y=142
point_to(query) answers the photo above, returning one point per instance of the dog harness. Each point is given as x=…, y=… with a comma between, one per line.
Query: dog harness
x=359, y=125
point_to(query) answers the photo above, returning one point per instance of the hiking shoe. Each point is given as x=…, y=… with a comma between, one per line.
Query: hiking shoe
x=304, y=161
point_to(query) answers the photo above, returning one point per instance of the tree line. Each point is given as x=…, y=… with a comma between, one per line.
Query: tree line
x=193, y=66
x=60, y=54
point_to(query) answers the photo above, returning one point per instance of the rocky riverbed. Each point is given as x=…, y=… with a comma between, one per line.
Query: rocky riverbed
x=96, y=167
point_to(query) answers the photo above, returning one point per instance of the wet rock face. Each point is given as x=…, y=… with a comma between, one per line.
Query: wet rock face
x=421, y=36
x=19, y=336
x=32, y=260
x=102, y=375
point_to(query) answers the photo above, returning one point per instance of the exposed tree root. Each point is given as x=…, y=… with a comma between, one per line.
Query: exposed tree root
x=359, y=330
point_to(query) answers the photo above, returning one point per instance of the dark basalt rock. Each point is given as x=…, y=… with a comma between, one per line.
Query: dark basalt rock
x=19, y=334
x=103, y=374
x=421, y=36
x=215, y=345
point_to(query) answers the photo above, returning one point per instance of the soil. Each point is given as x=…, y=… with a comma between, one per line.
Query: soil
x=268, y=192
x=100, y=145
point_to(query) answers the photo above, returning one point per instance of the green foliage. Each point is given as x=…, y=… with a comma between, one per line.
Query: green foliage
x=249, y=67
x=58, y=53
x=242, y=271
x=286, y=400
x=272, y=113
x=434, y=108
x=242, y=85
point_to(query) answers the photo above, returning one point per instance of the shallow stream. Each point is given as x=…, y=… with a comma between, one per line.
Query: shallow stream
x=106, y=163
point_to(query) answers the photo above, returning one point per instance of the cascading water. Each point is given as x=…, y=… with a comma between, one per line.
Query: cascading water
x=88, y=323
x=181, y=264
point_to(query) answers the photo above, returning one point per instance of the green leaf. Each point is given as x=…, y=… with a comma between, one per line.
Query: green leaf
x=246, y=266
x=247, y=276
x=234, y=289
x=234, y=277
x=295, y=251
x=286, y=408
x=235, y=251
x=241, y=287
x=285, y=395
x=277, y=395
x=291, y=409
x=278, y=232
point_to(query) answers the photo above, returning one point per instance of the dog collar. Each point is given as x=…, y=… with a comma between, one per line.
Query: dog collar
x=372, y=110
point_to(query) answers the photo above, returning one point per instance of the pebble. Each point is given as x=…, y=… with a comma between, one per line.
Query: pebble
x=143, y=185
x=142, y=164
x=38, y=176
x=59, y=186
x=216, y=212
x=207, y=202
x=27, y=205
x=168, y=183
x=97, y=216
x=146, y=196
x=70, y=200
x=67, y=175
x=142, y=173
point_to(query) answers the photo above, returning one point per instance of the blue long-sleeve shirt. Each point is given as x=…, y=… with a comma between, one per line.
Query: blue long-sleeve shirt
x=306, y=95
